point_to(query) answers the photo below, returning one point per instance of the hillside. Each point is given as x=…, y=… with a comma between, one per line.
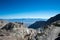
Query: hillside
x=46, y=30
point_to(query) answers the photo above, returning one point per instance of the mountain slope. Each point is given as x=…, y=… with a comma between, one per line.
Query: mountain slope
x=38, y=24
x=53, y=19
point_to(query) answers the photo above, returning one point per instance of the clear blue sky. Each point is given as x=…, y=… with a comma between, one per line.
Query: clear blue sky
x=29, y=8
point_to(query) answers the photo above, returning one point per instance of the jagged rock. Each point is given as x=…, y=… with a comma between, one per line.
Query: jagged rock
x=16, y=31
x=12, y=26
x=13, y=29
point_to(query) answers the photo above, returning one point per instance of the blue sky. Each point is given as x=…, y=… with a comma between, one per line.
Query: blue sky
x=29, y=8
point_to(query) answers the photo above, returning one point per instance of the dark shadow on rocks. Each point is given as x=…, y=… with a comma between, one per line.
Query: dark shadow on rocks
x=58, y=38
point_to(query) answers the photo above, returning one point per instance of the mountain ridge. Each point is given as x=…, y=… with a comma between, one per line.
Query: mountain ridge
x=48, y=22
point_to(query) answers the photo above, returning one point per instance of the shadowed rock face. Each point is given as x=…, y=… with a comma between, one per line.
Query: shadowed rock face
x=57, y=23
x=59, y=34
x=38, y=24
x=58, y=38
x=53, y=19
x=8, y=26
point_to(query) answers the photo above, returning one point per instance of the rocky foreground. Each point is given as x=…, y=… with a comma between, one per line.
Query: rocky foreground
x=19, y=31
x=15, y=31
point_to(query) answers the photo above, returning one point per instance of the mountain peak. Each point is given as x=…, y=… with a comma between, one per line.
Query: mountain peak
x=53, y=19
x=58, y=15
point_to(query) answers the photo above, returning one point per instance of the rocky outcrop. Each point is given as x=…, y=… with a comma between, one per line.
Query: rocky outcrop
x=11, y=25
x=16, y=31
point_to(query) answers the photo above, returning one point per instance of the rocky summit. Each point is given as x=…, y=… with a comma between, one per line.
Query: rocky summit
x=40, y=30
x=16, y=31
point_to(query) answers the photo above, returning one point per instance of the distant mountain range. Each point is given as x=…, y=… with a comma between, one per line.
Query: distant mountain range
x=39, y=24
x=36, y=22
x=27, y=21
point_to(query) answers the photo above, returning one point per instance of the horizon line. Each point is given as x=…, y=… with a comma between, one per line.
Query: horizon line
x=24, y=18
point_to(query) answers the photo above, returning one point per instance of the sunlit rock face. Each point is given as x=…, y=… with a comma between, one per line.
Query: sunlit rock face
x=54, y=30
x=16, y=31
x=54, y=33
x=12, y=31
